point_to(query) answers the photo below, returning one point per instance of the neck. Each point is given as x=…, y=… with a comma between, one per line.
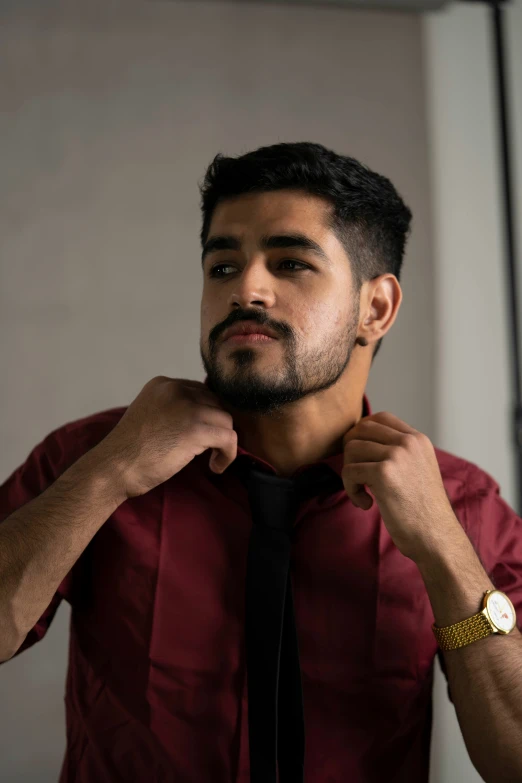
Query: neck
x=304, y=432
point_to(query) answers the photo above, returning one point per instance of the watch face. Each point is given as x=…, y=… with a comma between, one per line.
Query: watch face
x=501, y=611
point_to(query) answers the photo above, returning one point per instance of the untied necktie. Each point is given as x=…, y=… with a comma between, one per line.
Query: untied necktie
x=276, y=726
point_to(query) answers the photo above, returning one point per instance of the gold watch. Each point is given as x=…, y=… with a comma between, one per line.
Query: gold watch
x=496, y=616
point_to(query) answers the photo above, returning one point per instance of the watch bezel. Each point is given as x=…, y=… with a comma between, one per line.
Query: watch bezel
x=487, y=598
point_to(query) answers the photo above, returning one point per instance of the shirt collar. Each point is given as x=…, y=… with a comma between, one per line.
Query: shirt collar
x=335, y=461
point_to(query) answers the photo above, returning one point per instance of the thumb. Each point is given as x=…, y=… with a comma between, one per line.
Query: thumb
x=215, y=463
x=362, y=499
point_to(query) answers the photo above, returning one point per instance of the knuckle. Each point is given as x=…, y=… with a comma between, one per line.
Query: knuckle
x=200, y=429
x=395, y=454
x=386, y=469
x=423, y=439
x=229, y=419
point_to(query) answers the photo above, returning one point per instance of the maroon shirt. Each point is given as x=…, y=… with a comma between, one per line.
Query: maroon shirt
x=156, y=687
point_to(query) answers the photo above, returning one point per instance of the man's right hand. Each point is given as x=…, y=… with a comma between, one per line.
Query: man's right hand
x=164, y=428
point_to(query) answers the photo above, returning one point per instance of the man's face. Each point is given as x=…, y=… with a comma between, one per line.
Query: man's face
x=305, y=295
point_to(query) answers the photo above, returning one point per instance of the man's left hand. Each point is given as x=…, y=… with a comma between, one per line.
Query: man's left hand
x=399, y=466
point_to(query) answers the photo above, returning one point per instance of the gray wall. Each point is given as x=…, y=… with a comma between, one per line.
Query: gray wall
x=473, y=394
x=110, y=113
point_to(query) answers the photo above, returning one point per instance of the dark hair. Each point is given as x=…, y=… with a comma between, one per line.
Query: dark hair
x=369, y=217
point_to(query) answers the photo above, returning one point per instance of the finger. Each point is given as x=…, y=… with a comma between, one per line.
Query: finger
x=362, y=500
x=202, y=395
x=210, y=402
x=360, y=497
x=359, y=450
x=223, y=443
x=390, y=420
x=355, y=478
x=376, y=432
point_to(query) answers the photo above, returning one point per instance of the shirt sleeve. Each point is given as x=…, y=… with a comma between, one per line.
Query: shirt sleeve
x=43, y=466
x=495, y=531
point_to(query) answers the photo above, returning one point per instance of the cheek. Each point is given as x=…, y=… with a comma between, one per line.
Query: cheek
x=321, y=319
x=206, y=315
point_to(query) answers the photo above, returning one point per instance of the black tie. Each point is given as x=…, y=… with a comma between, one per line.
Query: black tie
x=276, y=727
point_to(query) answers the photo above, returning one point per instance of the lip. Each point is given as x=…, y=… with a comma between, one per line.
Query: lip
x=255, y=337
x=246, y=328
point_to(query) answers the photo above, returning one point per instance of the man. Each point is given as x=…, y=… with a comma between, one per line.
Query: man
x=141, y=519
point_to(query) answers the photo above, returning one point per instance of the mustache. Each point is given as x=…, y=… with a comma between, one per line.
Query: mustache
x=248, y=315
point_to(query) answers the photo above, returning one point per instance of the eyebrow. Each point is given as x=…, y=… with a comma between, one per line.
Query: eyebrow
x=292, y=240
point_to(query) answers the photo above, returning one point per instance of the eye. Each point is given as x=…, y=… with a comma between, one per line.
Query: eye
x=214, y=273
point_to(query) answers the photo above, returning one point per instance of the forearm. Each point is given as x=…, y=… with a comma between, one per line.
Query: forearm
x=485, y=677
x=40, y=542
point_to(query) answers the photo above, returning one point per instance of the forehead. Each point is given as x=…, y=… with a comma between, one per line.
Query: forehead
x=271, y=212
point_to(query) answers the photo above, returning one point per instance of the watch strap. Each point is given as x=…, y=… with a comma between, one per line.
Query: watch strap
x=466, y=631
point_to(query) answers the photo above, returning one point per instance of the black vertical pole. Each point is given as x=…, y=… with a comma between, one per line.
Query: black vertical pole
x=509, y=234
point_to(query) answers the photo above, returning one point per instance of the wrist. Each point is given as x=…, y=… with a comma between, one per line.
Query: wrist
x=100, y=468
x=455, y=581
x=445, y=548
